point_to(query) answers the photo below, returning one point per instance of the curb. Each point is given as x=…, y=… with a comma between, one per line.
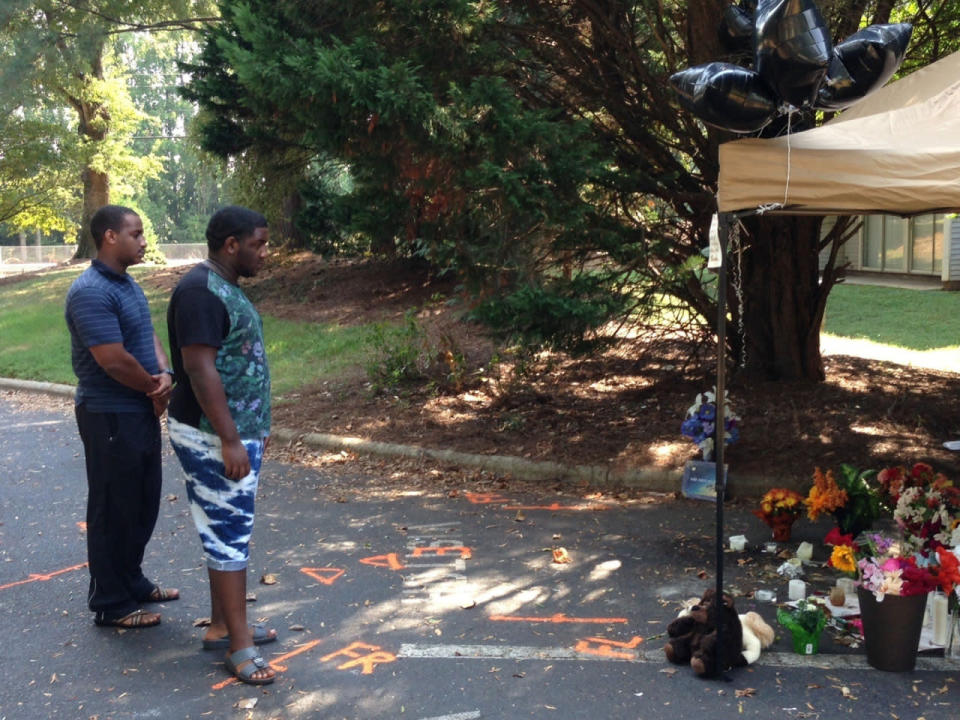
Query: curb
x=602, y=476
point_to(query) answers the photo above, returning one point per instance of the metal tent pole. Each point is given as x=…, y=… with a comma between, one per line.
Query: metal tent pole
x=724, y=221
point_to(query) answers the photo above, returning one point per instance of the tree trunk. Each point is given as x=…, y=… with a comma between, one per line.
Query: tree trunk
x=782, y=311
x=288, y=232
x=93, y=125
x=96, y=194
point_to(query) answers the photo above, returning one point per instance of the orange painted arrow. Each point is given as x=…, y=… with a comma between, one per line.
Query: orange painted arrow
x=275, y=663
x=37, y=577
x=325, y=575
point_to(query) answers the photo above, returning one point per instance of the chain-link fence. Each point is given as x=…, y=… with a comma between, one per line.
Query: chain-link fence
x=15, y=259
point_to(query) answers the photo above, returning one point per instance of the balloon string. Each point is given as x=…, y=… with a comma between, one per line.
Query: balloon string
x=786, y=188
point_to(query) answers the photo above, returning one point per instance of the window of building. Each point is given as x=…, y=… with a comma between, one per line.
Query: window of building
x=903, y=245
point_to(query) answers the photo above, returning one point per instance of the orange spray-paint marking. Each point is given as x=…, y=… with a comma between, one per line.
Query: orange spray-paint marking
x=274, y=663
x=558, y=619
x=325, y=575
x=485, y=498
x=554, y=507
x=38, y=577
x=366, y=660
x=465, y=552
x=604, y=647
x=389, y=561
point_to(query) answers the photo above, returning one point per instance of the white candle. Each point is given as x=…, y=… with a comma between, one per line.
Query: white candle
x=738, y=542
x=848, y=585
x=938, y=609
x=797, y=590
x=805, y=551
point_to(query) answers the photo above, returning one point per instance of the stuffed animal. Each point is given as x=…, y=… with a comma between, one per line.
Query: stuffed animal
x=757, y=636
x=693, y=637
x=685, y=631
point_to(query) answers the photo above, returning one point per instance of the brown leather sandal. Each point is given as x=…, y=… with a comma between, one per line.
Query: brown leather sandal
x=133, y=621
x=159, y=594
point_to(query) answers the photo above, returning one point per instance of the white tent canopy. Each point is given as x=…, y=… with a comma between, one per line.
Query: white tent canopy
x=897, y=151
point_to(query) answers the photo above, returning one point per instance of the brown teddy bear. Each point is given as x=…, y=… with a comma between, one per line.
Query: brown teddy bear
x=693, y=637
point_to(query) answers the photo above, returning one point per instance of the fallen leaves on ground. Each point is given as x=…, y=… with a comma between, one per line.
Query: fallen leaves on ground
x=561, y=556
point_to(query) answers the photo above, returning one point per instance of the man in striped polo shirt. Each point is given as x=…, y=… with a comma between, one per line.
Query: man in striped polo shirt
x=124, y=383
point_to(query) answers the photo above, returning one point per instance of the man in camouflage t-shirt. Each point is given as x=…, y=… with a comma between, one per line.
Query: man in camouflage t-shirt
x=219, y=422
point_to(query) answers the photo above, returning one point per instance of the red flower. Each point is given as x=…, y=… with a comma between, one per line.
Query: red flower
x=916, y=581
x=835, y=537
x=948, y=574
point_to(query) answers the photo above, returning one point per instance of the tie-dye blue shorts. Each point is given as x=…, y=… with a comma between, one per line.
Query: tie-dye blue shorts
x=222, y=508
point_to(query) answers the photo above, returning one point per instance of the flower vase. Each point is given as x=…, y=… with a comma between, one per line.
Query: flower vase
x=782, y=525
x=805, y=643
x=951, y=651
x=891, y=629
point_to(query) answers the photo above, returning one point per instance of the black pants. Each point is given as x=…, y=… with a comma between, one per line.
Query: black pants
x=123, y=482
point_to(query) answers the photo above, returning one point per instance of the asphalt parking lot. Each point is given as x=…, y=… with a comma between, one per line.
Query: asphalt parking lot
x=403, y=603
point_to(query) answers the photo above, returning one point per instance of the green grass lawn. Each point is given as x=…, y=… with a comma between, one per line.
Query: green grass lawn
x=912, y=319
x=35, y=345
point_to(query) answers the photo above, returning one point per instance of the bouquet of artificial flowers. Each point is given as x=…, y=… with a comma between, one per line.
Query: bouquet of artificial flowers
x=700, y=424
x=779, y=508
x=778, y=502
x=852, y=499
x=884, y=565
x=894, y=480
x=928, y=515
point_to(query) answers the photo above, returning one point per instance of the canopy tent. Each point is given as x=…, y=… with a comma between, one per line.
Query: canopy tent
x=896, y=152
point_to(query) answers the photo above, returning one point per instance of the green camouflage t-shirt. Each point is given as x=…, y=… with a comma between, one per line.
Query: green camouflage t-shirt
x=206, y=309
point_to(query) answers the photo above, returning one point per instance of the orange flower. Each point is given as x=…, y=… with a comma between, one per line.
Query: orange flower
x=825, y=495
x=779, y=501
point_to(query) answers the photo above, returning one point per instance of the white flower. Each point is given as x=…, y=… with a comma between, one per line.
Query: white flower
x=707, y=446
x=695, y=408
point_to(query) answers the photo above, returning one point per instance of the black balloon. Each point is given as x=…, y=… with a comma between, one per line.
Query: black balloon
x=793, y=49
x=736, y=30
x=862, y=63
x=726, y=96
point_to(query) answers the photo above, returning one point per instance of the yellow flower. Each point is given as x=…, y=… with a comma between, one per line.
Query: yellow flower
x=842, y=558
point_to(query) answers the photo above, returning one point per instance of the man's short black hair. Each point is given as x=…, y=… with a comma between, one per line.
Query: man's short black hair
x=109, y=217
x=233, y=220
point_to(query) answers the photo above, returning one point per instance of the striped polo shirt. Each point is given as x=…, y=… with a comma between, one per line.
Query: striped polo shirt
x=108, y=307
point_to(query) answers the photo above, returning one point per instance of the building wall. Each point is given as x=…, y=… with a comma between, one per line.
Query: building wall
x=951, y=251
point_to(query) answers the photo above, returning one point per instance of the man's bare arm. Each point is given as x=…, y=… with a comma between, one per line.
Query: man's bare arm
x=123, y=367
x=199, y=362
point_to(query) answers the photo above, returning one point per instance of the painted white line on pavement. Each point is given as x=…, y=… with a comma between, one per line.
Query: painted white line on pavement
x=773, y=659
x=458, y=716
x=504, y=652
x=849, y=662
